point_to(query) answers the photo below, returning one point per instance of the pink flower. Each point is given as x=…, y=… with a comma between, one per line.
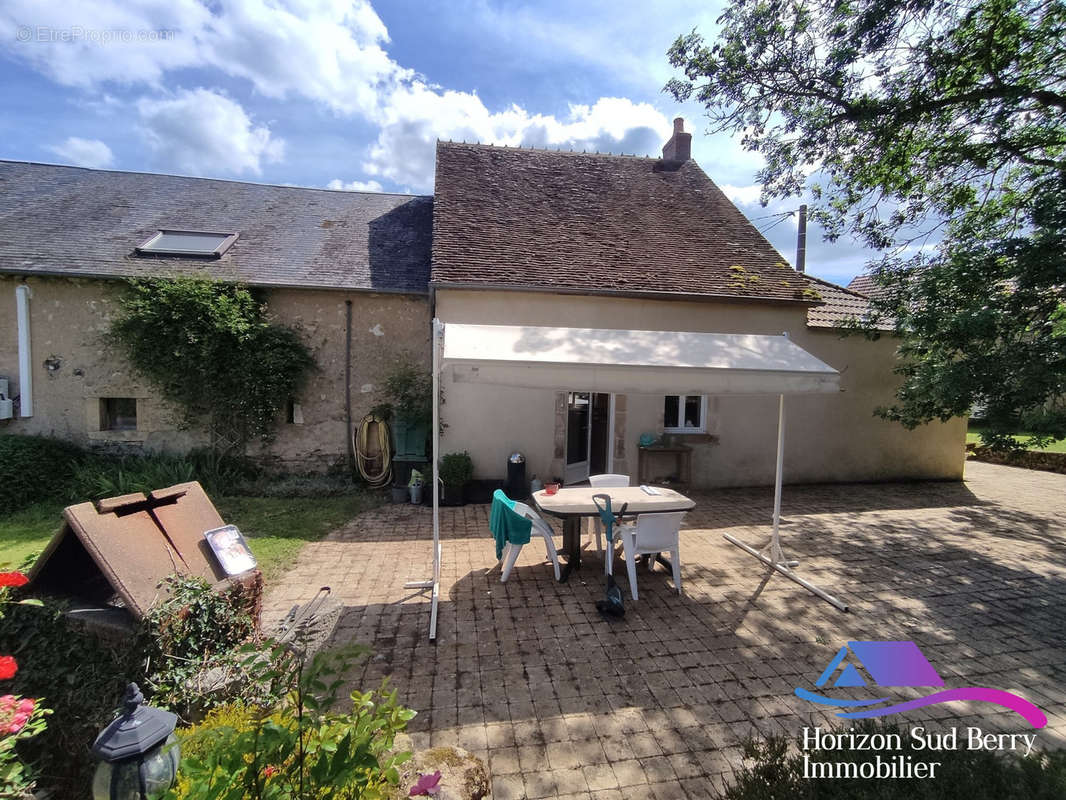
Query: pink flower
x=7, y=701
x=17, y=723
x=13, y=579
x=425, y=785
x=27, y=705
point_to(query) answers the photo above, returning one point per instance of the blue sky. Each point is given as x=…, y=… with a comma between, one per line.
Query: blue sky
x=342, y=94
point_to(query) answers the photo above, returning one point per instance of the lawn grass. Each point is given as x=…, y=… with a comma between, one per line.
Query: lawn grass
x=973, y=436
x=276, y=527
x=24, y=533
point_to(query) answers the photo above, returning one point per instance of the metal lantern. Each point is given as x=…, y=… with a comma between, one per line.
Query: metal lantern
x=138, y=752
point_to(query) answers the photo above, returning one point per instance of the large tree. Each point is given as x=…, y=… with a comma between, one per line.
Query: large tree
x=934, y=131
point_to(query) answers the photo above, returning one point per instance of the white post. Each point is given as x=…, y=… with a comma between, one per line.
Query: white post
x=22, y=316
x=434, y=582
x=775, y=542
x=438, y=344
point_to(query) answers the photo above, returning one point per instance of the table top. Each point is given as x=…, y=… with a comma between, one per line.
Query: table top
x=577, y=501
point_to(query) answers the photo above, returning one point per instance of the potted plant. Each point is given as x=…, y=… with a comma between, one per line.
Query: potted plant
x=456, y=471
x=408, y=407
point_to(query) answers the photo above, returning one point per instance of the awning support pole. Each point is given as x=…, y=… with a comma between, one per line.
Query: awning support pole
x=434, y=584
x=772, y=555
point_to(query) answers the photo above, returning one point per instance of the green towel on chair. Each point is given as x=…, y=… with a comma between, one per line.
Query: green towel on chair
x=506, y=524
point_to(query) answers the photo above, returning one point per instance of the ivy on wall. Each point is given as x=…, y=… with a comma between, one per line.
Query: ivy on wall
x=211, y=350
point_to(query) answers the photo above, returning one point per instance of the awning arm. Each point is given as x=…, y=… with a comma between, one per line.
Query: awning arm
x=772, y=555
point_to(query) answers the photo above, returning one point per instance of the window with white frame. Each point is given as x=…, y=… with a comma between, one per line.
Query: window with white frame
x=685, y=413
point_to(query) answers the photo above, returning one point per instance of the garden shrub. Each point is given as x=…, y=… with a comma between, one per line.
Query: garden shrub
x=300, y=748
x=97, y=476
x=34, y=468
x=194, y=630
x=75, y=673
x=775, y=772
x=21, y=718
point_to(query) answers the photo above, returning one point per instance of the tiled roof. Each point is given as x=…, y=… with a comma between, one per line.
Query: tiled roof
x=865, y=284
x=83, y=222
x=839, y=305
x=560, y=221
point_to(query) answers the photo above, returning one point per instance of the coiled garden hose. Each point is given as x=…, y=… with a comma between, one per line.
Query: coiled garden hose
x=367, y=462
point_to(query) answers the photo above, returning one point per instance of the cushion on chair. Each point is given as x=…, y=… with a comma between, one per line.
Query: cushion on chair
x=506, y=524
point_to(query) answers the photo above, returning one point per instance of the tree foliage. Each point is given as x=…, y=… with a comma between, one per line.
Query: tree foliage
x=932, y=131
x=211, y=350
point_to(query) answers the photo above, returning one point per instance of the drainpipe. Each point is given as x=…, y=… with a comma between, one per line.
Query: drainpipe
x=348, y=383
x=22, y=313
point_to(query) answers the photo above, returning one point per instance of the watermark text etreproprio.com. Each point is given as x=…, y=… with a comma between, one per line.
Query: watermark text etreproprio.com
x=79, y=33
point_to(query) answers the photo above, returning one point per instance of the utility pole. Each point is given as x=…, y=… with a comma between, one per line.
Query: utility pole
x=801, y=240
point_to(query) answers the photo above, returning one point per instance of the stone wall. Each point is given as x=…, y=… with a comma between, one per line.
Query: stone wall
x=75, y=365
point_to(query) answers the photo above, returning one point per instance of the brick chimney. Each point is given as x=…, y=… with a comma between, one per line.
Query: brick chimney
x=679, y=148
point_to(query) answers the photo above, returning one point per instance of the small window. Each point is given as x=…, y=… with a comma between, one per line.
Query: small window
x=188, y=243
x=118, y=413
x=685, y=413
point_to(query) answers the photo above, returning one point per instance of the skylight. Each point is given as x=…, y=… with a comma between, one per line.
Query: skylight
x=188, y=243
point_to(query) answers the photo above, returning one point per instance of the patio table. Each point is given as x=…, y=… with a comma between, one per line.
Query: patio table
x=572, y=504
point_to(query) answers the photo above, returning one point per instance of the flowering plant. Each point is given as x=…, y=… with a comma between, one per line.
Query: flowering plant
x=20, y=717
x=302, y=748
x=426, y=785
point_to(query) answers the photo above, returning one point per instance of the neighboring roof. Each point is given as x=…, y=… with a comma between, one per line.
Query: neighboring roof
x=865, y=284
x=633, y=362
x=560, y=221
x=80, y=222
x=839, y=306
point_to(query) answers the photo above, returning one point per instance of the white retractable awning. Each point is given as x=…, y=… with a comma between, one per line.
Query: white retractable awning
x=633, y=362
x=626, y=362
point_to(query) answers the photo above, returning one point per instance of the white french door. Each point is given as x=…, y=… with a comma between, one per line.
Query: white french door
x=578, y=436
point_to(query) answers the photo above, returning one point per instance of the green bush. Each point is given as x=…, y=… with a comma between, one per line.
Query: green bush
x=75, y=673
x=775, y=773
x=194, y=630
x=34, y=468
x=456, y=469
x=408, y=394
x=97, y=476
x=299, y=749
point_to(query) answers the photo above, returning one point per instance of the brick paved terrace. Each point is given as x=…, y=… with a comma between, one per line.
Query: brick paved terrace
x=561, y=703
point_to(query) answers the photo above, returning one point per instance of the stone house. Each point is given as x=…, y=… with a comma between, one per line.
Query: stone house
x=69, y=236
x=512, y=236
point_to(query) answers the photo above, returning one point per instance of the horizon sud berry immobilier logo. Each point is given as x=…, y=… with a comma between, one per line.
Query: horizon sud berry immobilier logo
x=900, y=664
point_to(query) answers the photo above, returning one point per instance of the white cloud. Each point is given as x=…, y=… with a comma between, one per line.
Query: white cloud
x=354, y=186
x=202, y=131
x=84, y=152
x=742, y=195
x=327, y=50
x=416, y=116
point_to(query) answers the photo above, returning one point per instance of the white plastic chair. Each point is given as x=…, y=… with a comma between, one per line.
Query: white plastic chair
x=606, y=480
x=511, y=551
x=650, y=535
